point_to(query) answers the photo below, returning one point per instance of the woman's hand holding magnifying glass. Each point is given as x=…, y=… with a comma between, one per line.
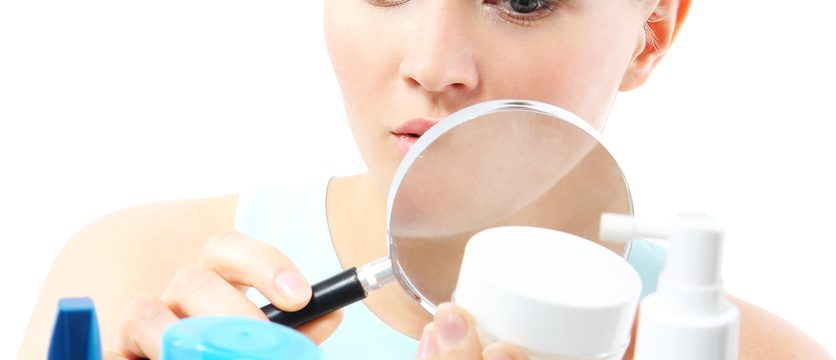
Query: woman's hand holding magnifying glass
x=229, y=264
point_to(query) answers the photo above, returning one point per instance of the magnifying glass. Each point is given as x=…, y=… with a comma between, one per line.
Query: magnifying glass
x=497, y=163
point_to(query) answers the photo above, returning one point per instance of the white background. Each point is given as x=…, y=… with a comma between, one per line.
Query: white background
x=108, y=104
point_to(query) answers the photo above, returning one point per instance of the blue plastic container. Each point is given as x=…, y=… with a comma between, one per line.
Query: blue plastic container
x=75, y=335
x=227, y=337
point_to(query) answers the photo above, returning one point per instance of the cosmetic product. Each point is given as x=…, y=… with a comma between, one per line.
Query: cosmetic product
x=688, y=318
x=75, y=335
x=553, y=294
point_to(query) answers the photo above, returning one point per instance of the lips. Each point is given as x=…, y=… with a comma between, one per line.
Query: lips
x=405, y=135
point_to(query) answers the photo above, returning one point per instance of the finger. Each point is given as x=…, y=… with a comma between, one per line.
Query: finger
x=196, y=292
x=141, y=328
x=428, y=347
x=321, y=328
x=243, y=260
x=456, y=333
x=503, y=351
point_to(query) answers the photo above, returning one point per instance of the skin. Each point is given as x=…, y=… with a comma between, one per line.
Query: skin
x=421, y=59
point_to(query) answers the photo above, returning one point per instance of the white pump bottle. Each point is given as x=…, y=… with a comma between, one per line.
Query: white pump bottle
x=688, y=318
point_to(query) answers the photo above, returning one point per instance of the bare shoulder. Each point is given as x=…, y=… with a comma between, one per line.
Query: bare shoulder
x=123, y=254
x=166, y=231
x=764, y=335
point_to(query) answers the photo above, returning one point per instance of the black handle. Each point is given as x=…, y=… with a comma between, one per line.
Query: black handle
x=328, y=295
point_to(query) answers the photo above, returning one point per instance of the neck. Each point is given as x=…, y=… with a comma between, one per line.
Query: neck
x=357, y=219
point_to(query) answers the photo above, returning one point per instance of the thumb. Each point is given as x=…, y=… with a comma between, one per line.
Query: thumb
x=457, y=338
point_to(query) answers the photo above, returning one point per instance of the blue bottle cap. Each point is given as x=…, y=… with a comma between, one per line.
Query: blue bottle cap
x=228, y=337
x=76, y=332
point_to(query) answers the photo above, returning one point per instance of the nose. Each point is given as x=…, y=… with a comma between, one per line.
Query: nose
x=439, y=56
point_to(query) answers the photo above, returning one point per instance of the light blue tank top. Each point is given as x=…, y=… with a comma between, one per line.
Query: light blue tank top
x=292, y=218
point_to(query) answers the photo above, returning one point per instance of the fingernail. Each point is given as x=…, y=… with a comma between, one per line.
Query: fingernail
x=452, y=328
x=428, y=347
x=293, y=286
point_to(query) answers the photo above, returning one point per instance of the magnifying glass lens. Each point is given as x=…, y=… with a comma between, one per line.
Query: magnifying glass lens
x=515, y=167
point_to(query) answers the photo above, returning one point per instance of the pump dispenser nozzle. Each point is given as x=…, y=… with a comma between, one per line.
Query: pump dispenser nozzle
x=688, y=317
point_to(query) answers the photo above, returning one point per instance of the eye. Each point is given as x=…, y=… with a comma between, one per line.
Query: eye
x=525, y=6
x=522, y=12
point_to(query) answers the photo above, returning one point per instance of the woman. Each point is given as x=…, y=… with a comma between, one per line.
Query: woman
x=396, y=61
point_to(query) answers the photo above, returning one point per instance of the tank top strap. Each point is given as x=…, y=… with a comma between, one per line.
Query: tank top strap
x=648, y=258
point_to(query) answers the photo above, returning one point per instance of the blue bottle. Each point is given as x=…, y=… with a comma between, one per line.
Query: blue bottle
x=227, y=337
x=76, y=332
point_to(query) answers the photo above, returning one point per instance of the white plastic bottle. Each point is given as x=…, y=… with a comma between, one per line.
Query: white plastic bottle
x=555, y=295
x=688, y=318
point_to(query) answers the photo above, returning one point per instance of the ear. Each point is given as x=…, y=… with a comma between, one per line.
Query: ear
x=663, y=23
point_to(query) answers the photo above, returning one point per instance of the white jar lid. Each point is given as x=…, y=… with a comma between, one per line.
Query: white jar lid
x=548, y=291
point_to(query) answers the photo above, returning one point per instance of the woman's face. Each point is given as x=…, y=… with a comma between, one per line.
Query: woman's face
x=403, y=65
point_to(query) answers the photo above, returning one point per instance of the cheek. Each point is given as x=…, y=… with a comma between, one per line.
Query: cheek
x=353, y=36
x=356, y=36
x=581, y=72
x=350, y=56
x=341, y=44
x=580, y=81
